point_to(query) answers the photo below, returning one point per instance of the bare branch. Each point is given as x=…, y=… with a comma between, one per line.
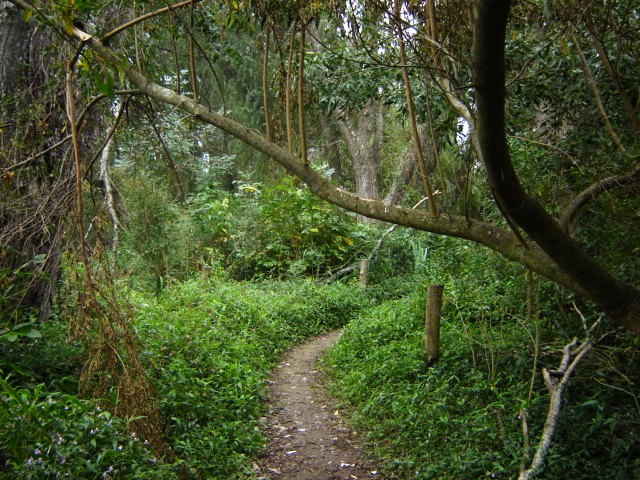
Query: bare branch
x=556, y=382
x=593, y=191
x=144, y=17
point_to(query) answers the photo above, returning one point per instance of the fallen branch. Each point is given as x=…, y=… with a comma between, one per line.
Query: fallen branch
x=356, y=266
x=556, y=381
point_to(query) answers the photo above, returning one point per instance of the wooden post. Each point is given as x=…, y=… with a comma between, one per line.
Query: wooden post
x=432, y=324
x=364, y=269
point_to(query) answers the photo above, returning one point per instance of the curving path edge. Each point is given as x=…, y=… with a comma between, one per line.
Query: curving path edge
x=308, y=439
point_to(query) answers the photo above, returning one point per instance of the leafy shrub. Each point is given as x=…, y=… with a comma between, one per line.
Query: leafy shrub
x=159, y=242
x=44, y=355
x=208, y=345
x=53, y=435
x=15, y=284
x=450, y=421
x=280, y=231
x=460, y=418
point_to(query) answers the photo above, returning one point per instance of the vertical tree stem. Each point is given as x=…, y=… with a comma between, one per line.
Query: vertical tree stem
x=287, y=98
x=265, y=83
x=364, y=270
x=436, y=154
x=71, y=113
x=532, y=317
x=433, y=31
x=135, y=38
x=302, y=127
x=412, y=116
x=176, y=61
x=192, y=56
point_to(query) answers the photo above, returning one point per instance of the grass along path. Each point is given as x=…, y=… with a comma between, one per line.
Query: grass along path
x=308, y=439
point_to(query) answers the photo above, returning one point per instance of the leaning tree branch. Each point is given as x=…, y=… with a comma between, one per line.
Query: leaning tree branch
x=612, y=295
x=556, y=382
x=593, y=191
x=552, y=253
x=614, y=74
x=596, y=96
x=417, y=142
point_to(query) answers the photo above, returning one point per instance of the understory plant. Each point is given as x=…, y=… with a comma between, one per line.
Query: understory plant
x=280, y=231
x=45, y=434
x=464, y=417
x=209, y=346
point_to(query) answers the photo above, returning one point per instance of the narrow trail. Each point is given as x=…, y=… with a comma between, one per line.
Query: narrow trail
x=308, y=440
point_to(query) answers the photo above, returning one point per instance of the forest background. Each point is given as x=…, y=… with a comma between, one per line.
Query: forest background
x=188, y=189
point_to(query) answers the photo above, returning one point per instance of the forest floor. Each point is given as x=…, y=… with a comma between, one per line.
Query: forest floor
x=308, y=438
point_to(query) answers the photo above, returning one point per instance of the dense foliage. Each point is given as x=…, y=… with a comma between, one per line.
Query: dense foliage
x=462, y=418
x=208, y=346
x=280, y=231
x=174, y=223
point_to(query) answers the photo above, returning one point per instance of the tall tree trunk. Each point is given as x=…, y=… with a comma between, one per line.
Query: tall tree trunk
x=35, y=197
x=611, y=294
x=363, y=135
x=13, y=39
x=551, y=252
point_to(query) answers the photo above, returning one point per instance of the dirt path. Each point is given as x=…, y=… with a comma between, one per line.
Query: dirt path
x=308, y=440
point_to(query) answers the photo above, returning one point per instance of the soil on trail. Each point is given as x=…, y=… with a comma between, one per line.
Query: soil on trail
x=308, y=440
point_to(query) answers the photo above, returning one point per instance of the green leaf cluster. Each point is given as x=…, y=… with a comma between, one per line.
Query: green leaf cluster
x=282, y=231
x=47, y=434
x=461, y=417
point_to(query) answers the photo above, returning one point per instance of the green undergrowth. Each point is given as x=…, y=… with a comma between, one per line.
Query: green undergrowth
x=461, y=418
x=208, y=346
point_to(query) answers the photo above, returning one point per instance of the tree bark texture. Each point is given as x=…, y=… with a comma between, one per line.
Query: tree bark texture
x=363, y=135
x=13, y=40
x=38, y=189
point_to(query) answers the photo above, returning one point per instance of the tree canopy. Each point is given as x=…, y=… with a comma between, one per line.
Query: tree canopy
x=547, y=93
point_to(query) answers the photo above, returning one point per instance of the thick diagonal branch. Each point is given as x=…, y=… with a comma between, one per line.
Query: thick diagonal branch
x=593, y=191
x=612, y=295
x=553, y=255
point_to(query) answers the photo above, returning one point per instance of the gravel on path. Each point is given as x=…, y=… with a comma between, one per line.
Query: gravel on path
x=308, y=438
